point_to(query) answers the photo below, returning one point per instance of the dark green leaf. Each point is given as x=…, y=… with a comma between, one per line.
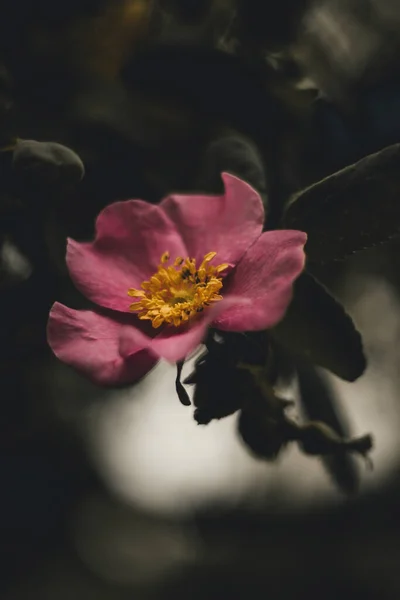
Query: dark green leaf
x=264, y=437
x=318, y=439
x=263, y=425
x=221, y=387
x=356, y=208
x=217, y=394
x=316, y=327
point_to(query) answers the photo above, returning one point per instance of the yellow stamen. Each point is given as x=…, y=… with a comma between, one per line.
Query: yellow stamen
x=176, y=294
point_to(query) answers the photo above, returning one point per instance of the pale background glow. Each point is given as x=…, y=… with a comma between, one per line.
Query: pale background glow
x=150, y=452
x=158, y=466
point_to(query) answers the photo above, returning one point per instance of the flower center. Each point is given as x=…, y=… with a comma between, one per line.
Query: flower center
x=177, y=293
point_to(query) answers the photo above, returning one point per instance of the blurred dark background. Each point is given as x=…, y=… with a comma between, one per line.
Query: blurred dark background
x=114, y=494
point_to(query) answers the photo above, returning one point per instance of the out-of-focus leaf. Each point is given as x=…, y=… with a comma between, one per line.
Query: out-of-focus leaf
x=232, y=153
x=218, y=85
x=188, y=10
x=316, y=327
x=14, y=266
x=269, y=23
x=320, y=404
x=46, y=163
x=353, y=209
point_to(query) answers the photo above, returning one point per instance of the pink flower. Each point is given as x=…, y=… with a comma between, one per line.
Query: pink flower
x=162, y=275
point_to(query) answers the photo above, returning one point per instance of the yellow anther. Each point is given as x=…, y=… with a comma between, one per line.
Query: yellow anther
x=178, y=293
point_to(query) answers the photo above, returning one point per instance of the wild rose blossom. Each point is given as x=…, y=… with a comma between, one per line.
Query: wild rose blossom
x=161, y=275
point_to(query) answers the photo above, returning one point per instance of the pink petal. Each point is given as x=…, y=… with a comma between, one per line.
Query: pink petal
x=131, y=236
x=226, y=224
x=89, y=342
x=174, y=343
x=264, y=276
